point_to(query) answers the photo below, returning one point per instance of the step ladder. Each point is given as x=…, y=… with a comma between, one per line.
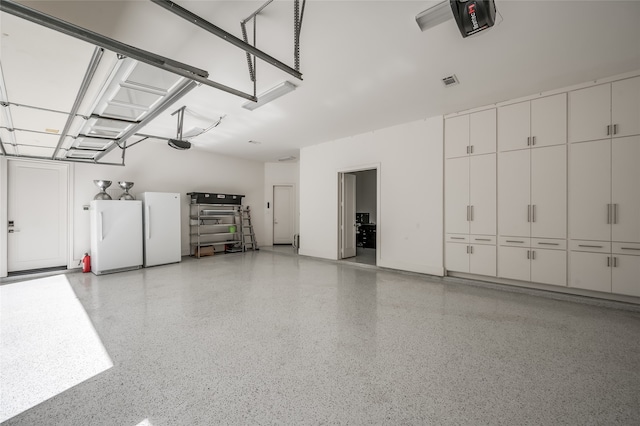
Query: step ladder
x=248, y=233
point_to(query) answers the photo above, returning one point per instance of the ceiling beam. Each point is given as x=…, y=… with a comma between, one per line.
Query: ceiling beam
x=169, y=65
x=228, y=37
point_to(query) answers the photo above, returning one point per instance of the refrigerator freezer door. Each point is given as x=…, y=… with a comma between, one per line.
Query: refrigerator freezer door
x=116, y=235
x=161, y=228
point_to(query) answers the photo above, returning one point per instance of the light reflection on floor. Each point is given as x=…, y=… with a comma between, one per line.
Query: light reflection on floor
x=47, y=343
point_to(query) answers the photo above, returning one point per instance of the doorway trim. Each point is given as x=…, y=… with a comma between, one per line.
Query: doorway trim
x=4, y=209
x=379, y=228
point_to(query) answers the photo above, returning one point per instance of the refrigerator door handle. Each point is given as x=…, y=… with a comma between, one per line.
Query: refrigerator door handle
x=146, y=222
x=100, y=227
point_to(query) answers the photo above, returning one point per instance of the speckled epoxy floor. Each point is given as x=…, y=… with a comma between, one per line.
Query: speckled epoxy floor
x=269, y=338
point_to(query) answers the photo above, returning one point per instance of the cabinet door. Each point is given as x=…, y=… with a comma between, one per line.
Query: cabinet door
x=482, y=131
x=589, y=113
x=590, y=190
x=456, y=136
x=549, y=120
x=513, y=126
x=626, y=275
x=456, y=257
x=482, y=260
x=625, y=107
x=549, y=267
x=482, y=194
x=589, y=271
x=457, y=195
x=626, y=189
x=513, y=263
x=549, y=192
x=513, y=193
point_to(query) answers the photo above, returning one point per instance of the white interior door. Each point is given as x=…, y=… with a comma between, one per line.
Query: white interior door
x=348, y=219
x=37, y=215
x=283, y=214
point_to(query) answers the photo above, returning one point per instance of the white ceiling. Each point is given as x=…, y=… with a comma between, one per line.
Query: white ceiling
x=366, y=65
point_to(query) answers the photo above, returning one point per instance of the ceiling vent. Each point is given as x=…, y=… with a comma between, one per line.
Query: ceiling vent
x=452, y=80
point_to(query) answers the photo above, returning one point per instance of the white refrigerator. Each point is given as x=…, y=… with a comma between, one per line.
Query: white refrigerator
x=116, y=235
x=162, y=239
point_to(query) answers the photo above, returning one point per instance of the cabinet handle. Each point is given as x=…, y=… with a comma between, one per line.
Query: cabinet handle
x=467, y=213
x=615, y=213
x=615, y=129
x=608, y=214
x=533, y=213
x=609, y=130
x=587, y=245
x=528, y=140
x=629, y=248
x=528, y=254
x=608, y=262
x=528, y=212
x=521, y=242
x=615, y=262
x=467, y=249
x=471, y=248
x=533, y=140
x=472, y=213
x=533, y=254
x=548, y=244
x=467, y=149
x=482, y=239
x=457, y=238
x=472, y=149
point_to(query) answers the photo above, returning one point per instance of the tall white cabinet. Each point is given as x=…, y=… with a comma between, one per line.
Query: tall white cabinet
x=470, y=193
x=547, y=190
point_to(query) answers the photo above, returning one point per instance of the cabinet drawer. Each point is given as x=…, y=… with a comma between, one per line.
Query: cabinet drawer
x=483, y=239
x=457, y=238
x=591, y=246
x=632, y=249
x=515, y=241
x=545, y=243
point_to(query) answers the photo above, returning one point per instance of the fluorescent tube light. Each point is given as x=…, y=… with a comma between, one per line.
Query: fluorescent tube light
x=270, y=95
x=435, y=15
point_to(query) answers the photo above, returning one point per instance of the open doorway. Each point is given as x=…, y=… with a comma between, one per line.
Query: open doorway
x=358, y=203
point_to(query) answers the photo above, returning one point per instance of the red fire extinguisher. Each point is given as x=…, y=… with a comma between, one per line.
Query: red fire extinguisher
x=86, y=263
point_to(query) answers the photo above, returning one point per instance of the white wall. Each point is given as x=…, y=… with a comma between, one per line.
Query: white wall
x=153, y=166
x=410, y=221
x=279, y=174
x=367, y=194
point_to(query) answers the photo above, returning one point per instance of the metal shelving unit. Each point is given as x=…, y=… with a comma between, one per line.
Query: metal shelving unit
x=211, y=225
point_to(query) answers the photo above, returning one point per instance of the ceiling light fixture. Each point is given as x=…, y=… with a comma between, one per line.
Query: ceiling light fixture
x=288, y=158
x=255, y=142
x=434, y=15
x=271, y=95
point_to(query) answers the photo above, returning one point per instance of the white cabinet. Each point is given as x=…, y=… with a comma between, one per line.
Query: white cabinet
x=476, y=258
x=549, y=192
x=625, y=189
x=456, y=136
x=590, y=271
x=625, y=107
x=606, y=110
x=470, y=195
x=625, y=278
x=514, y=197
x=482, y=132
x=604, y=199
x=590, y=190
x=470, y=134
x=482, y=194
x=532, y=192
x=540, y=122
x=457, y=195
x=536, y=265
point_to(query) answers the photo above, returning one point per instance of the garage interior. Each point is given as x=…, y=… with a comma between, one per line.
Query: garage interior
x=491, y=274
